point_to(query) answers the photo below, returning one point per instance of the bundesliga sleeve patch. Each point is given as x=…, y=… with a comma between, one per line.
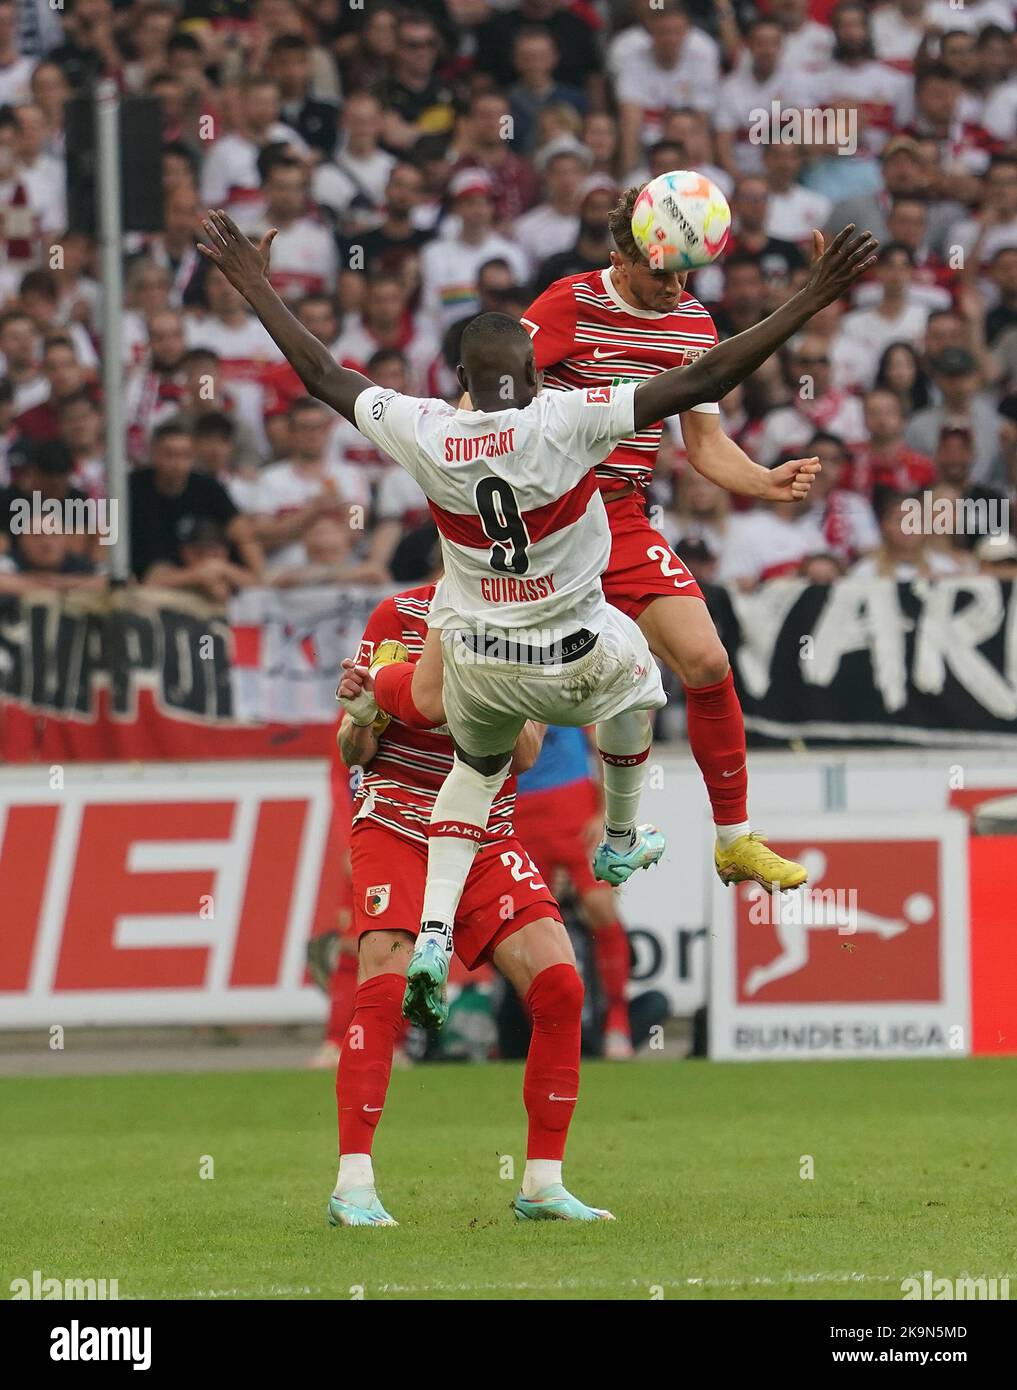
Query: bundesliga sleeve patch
x=598, y=395
x=376, y=899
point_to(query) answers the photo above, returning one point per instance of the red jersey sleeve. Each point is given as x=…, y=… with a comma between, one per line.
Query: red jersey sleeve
x=551, y=323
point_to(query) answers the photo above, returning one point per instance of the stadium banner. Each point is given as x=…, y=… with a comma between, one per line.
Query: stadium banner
x=926, y=663
x=869, y=960
x=182, y=895
x=159, y=674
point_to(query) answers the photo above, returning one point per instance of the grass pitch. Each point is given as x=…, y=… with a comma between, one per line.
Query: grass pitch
x=914, y=1168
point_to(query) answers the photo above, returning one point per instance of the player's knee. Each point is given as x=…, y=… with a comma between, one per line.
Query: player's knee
x=707, y=665
x=556, y=996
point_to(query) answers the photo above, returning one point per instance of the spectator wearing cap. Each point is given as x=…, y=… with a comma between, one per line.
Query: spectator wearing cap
x=168, y=501
x=885, y=459
x=402, y=233
x=449, y=265
x=815, y=405
x=907, y=172
x=553, y=225
x=593, y=245
x=484, y=144
x=416, y=98
x=964, y=406
x=954, y=464
x=535, y=57
x=896, y=318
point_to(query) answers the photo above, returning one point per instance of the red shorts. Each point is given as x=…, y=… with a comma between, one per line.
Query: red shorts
x=642, y=566
x=503, y=892
x=551, y=824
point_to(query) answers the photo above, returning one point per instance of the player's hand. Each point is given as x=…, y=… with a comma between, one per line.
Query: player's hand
x=790, y=482
x=240, y=260
x=836, y=267
x=355, y=680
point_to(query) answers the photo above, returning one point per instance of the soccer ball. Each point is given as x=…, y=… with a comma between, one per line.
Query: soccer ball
x=681, y=220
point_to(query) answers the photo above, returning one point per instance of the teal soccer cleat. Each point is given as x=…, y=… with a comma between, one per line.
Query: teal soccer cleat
x=359, y=1207
x=555, y=1203
x=611, y=866
x=425, y=1001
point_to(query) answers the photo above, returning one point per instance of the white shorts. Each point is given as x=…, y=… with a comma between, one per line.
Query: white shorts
x=487, y=700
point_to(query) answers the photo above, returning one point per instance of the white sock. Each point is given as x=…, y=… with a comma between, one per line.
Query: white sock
x=540, y=1173
x=355, y=1170
x=465, y=796
x=727, y=834
x=625, y=736
x=620, y=840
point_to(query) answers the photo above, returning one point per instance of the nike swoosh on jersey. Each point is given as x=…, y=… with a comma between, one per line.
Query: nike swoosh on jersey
x=599, y=355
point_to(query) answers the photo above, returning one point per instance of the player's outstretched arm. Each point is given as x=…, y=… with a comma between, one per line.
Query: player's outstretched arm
x=717, y=371
x=246, y=268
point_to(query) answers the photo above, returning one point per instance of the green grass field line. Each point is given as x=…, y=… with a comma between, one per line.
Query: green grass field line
x=915, y=1168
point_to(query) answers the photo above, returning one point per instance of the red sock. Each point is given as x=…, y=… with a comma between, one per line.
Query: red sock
x=551, y=1079
x=717, y=739
x=342, y=989
x=365, y=1063
x=611, y=954
x=393, y=694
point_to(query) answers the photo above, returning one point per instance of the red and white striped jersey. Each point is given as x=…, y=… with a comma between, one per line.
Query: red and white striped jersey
x=399, y=786
x=584, y=334
x=513, y=494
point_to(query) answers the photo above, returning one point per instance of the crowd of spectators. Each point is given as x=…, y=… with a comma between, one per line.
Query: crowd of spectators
x=426, y=161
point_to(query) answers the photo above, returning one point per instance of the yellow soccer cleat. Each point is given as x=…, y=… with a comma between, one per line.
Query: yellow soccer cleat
x=749, y=858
